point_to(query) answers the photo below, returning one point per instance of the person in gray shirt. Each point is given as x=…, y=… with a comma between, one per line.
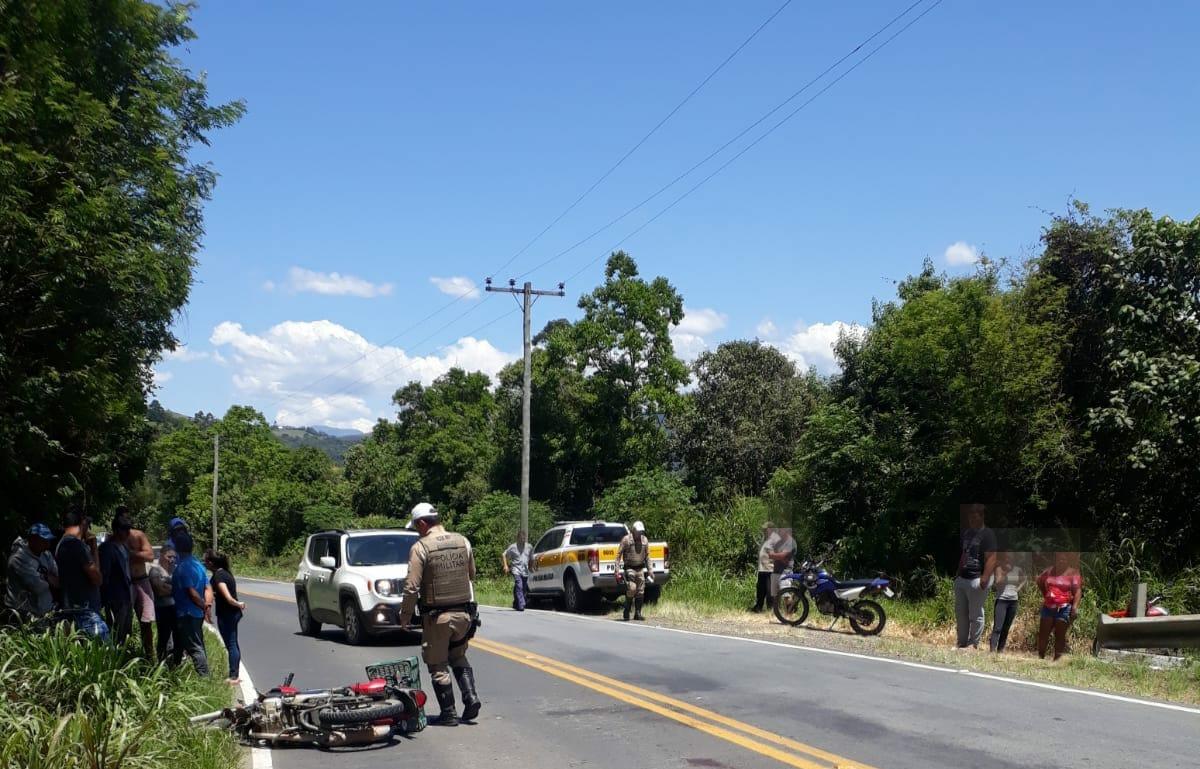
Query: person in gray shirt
x=28, y=578
x=516, y=562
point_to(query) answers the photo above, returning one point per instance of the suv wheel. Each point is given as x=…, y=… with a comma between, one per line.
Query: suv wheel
x=352, y=622
x=308, y=626
x=572, y=595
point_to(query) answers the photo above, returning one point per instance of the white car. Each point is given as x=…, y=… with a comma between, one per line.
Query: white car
x=575, y=563
x=354, y=580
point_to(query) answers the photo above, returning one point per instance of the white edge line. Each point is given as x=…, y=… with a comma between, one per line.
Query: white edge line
x=260, y=758
x=905, y=663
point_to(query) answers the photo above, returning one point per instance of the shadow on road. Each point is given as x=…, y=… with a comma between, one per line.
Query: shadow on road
x=395, y=638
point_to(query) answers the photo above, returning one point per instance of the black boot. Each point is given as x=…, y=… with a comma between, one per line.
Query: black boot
x=466, y=687
x=625, y=618
x=445, y=698
x=637, y=610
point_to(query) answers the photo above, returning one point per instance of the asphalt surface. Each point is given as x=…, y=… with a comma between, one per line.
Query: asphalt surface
x=566, y=691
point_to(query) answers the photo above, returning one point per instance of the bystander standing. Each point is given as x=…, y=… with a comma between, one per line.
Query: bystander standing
x=29, y=580
x=516, y=563
x=159, y=575
x=190, y=584
x=78, y=560
x=228, y=608
x=116, y=589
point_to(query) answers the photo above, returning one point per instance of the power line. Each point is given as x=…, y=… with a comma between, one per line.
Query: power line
x=645, y=138
x=724, y=146
x=764, y=135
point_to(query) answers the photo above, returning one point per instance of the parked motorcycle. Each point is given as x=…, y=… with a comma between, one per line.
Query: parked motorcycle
x=360, y=714
x=849, y=599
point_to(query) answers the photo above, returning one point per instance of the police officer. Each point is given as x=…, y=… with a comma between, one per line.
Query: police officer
x=440, y=570
x=633, y=563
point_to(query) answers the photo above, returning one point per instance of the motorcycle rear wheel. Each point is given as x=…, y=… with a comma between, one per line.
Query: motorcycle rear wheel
x=791, y=606
x=334, y=717
x=867, y=617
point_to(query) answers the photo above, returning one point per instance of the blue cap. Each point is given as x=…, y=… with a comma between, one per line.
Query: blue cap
x=176, y=523
x=41, y=530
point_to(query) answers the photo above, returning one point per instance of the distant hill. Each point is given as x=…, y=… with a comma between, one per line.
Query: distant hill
x=319, y=438
x=338, y=432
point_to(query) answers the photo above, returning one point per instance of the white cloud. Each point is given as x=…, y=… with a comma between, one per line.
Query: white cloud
x=701, y=322
x=319, y=372
x=161, y=377
x=766, y=328
x=961, y=254
x=457, y=286
x=690, y=337
x=812, y=345
x=268, y=285
x=183, y=354
x=334, y=284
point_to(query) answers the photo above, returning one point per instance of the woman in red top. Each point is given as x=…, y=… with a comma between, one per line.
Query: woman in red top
x=1062, y=587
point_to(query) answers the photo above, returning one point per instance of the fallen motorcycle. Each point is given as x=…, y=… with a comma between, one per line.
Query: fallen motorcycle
x=837, y=599
x=360, y=714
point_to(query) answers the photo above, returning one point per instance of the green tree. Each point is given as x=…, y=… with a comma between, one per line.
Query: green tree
x=622, y=345
x=746, y=415
x=655, y=497
x=383, y=482
x=491, y=523
x=100, y=218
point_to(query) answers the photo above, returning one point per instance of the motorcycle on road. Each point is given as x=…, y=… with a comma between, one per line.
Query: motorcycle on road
x=360, y=714
x=852, y=599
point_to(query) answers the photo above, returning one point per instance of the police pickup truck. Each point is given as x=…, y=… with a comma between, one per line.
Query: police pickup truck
x=575, y=563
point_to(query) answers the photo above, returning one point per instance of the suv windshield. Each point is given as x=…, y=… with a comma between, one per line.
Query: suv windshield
x=378, y=549
x=597, y=535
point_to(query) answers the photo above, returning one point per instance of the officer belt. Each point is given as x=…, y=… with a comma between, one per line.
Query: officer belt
x=433, y=611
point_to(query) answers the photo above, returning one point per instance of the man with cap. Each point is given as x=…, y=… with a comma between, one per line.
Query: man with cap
x=175, y=527
x=29, y=580
x=633, y=564
x=440, y=569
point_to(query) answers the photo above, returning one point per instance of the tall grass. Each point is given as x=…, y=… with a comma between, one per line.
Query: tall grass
x=76, y=704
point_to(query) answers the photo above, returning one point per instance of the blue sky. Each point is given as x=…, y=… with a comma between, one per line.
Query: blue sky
x=390, y=147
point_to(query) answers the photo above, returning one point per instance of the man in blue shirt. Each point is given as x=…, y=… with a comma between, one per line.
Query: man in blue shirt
x=175, y=527
x=188, y=587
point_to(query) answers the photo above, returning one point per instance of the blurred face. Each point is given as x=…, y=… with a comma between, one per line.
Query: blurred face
x=37, y=545
x=521, y=539
x=167, y=559
x=975, y=516
x=1006, y=560
x=1062, y=561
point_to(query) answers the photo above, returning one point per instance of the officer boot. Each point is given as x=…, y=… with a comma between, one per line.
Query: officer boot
x=466, y=687
x=625, y=618
x=637, y=609
x=445, y=698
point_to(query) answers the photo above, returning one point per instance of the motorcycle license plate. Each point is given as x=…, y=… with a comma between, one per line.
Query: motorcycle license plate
x=888, y=592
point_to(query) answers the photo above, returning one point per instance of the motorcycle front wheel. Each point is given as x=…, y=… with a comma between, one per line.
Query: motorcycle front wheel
x=791, y=606
x=866, y=617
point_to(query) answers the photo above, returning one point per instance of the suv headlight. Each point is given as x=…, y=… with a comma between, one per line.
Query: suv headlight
x=385, y=587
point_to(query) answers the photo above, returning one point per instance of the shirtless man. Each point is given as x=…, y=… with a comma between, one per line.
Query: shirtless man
x=141, y=554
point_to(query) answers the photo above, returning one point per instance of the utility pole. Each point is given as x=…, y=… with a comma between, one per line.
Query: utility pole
x=216, y=473
x=528, y=293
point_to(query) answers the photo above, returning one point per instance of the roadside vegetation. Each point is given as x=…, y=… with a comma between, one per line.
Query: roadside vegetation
x=72, y=704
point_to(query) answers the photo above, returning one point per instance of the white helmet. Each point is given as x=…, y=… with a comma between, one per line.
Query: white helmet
x=639, y=527
x=423, y=510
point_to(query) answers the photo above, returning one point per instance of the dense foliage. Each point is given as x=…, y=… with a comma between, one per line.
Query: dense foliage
x=100, y=218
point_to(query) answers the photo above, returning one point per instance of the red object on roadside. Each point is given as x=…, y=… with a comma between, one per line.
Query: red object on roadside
x=374, y=686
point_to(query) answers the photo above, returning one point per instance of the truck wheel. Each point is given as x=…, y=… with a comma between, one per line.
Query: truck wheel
x=572, y=595
x=352, y=622
x=652, y=593
x=308, y=625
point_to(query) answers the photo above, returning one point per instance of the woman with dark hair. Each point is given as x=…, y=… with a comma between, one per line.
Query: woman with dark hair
x=229, y=608
x=1062, y=587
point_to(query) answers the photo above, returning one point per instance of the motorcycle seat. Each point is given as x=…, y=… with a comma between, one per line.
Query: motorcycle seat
x=857, y=583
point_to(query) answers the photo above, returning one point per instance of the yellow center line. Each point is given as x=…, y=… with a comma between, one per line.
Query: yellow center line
x=641, y=697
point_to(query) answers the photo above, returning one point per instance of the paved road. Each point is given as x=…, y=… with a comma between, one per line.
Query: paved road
x=552, y=698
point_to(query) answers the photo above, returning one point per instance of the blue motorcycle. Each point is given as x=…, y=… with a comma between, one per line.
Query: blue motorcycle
x=850, y=599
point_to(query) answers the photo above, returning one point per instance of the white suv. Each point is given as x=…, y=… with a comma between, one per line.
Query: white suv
x=353, y=579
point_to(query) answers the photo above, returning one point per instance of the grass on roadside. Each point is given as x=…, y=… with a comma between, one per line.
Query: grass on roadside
x=78, y=704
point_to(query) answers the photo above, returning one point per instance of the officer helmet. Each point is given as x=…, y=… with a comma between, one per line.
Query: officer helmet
x=639, y=527
x=423, y=510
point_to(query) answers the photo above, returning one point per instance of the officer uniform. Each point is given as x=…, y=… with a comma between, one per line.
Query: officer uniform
x=633, y=556
x=440, y=569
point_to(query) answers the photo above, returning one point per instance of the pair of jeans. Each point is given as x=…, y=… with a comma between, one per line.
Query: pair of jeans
x=189, y=634
x=227, y=625
x=166, y=643
x=520, y=591
x=1002, y=618
x=969, y=598
x=120, y=621
x=90, y=623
